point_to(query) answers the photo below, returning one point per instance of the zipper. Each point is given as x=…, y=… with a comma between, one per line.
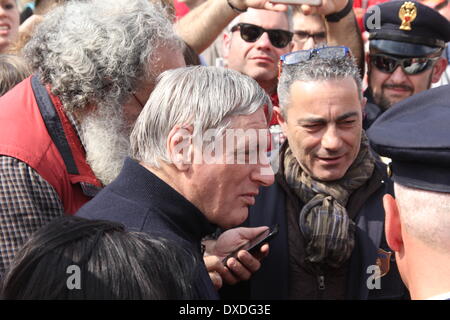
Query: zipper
x=321, y=281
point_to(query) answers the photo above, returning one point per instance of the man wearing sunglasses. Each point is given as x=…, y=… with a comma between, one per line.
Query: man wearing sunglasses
x=404, y=54
x=255, y=43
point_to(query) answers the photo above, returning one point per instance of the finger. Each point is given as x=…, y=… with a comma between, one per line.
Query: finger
x=275, y=6
x=212, y=263
x=248, y=261
x=265, y=250
x=250, y=233
x=262, y=253
x=307, y=9
x=216, y=279
x=239, y=271
x=227, y=276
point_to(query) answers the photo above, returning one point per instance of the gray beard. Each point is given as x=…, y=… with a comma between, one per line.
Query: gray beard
x=106, y=140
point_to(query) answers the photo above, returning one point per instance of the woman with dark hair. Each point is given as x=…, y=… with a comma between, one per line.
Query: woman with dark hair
x=75, y=258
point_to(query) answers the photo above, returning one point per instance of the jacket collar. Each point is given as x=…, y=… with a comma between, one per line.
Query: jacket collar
x=187, y=219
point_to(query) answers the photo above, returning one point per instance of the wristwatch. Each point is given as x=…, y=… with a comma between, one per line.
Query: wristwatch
x=337, y=16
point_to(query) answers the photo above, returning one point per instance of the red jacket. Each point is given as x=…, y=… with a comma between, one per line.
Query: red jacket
x=25, y=135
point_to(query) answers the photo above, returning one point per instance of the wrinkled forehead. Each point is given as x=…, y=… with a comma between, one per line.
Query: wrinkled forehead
x=265, y=18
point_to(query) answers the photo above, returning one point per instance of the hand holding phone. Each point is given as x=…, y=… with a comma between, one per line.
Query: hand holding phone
x=253, y=246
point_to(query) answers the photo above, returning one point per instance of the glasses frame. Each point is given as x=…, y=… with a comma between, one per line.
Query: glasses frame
x=270, y=33
x=401, y=61
x=306, y=35
x=324, y=52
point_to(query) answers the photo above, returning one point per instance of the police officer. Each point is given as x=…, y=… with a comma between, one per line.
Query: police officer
x=415, y=135
x=405, y=46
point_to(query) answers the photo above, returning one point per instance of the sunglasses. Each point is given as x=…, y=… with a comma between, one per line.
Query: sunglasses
x=251, y=33
x=410, y=66
x=305, y=55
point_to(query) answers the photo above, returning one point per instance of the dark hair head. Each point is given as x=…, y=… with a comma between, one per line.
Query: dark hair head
x=112, y=264
x=13, y=69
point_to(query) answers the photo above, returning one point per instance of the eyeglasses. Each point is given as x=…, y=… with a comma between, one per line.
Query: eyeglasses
x=251, y=33
x=303, y=36
x=322, y=52
x=410, y=66
x=305, y=55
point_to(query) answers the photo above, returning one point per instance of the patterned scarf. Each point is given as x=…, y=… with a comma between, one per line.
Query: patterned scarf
x=324, y=222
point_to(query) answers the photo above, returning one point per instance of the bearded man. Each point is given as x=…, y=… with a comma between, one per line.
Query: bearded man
x=64, y=132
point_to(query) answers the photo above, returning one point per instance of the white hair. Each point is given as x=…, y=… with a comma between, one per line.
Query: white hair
x=425, y=215
x=202, y=97
x=98, y=52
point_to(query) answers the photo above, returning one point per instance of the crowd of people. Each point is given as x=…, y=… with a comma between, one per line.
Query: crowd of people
x=141, y=146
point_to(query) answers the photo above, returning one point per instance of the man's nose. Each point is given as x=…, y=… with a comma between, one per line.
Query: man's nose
x=263, y=174
x=331, y=139
x=309, y=43
x=264, y=41
x=398, y=76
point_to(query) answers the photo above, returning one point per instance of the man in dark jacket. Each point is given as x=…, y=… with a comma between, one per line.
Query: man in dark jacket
x=327, y=198
x=183, y=180
x=418, y=219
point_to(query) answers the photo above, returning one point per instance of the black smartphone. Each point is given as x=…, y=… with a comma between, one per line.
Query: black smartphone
x=253, y=246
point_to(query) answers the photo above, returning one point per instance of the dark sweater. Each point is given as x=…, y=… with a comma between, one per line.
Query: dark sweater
x=143, y=202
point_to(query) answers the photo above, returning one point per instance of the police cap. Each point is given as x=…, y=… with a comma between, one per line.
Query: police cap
x=415, y=134
x=406, y=28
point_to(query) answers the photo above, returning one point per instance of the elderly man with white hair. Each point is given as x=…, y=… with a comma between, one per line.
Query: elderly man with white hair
x=198, y=158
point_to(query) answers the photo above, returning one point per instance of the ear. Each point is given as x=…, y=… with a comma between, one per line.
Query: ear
x=226, y=43
x=180, y=147
x=281, y=119
x=438, y=69
x=363, y=104
x=367, y=58
x=278, y=114
x=393, y=226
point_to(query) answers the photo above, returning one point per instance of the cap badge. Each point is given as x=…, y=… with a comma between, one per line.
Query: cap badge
x=407, y=13
x=383, y=262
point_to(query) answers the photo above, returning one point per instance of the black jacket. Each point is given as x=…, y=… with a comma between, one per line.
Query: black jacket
x=142, y=202
x=272, y=280
x=371, y=110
